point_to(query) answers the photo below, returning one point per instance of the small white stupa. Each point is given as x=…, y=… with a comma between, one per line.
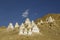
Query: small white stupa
x=50, y=19
x=21, y=31
x=27, y=21
x=10, y=27
x=41, y=22
x=35, y=29
x=16, y=25
x=38, y=23
x=22, y=26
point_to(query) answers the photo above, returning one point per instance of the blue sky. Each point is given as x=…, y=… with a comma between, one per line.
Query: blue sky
x=18, y=10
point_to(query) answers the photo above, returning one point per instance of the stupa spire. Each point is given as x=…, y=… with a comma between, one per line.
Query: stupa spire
x=16, y=25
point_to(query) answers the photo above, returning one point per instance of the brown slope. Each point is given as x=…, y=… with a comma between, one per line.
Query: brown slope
x=56, y=16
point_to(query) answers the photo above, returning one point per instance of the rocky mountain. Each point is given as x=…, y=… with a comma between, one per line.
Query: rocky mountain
x=48, y=30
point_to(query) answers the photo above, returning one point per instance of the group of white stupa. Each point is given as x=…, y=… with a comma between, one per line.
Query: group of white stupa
x=26, y=28
x=48, y=20
x=29, y=27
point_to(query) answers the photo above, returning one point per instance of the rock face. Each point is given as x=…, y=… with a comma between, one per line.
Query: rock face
x=10, y=27
x=28, y=28
x=16, y=25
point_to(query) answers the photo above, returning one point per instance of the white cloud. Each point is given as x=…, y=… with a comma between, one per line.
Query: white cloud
x=25, y=14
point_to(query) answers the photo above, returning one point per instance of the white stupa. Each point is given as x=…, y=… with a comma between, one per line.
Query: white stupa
x=10, y=26
x=27, y=21
x=22, y=26
x=35, y=29
x=21, y=31
x=16, y=25
x=50, y=19
x=41, y=22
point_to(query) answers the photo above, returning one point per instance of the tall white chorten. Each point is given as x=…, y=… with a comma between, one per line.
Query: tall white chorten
x=16, y=25
x=10, y=26
x=35, y=29
x=50, y=19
